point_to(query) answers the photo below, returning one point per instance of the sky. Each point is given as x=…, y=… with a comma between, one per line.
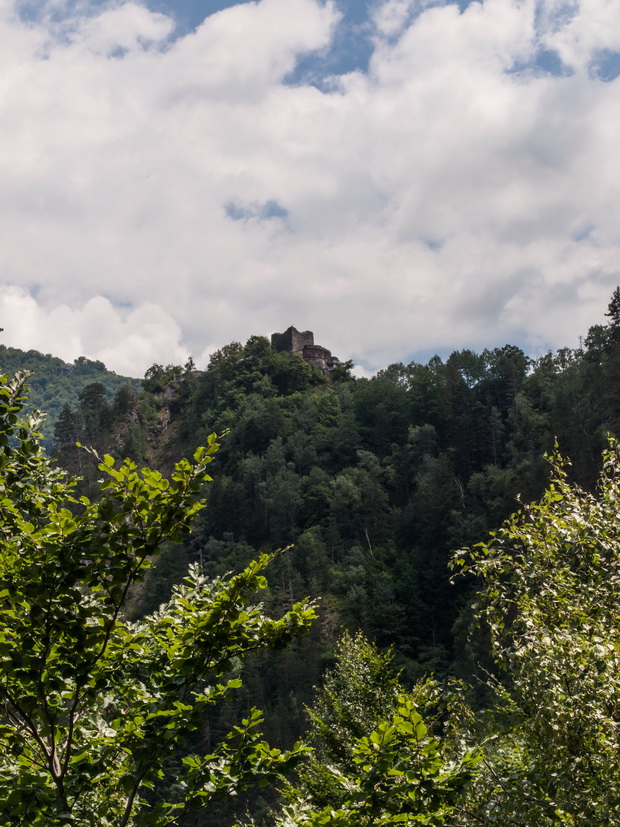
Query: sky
x=402, y=177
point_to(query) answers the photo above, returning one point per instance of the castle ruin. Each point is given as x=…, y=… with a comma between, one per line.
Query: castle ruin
x=302, y=343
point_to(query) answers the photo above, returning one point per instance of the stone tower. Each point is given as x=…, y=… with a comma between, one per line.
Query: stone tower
x=293, y=341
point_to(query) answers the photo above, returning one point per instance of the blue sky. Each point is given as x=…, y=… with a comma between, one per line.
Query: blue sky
x=403, y=177
x=350, y=50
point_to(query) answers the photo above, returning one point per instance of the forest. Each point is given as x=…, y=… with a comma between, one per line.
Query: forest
x=414, y=577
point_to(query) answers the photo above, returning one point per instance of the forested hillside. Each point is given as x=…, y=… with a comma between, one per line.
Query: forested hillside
x=55, y=383
x=375, y=482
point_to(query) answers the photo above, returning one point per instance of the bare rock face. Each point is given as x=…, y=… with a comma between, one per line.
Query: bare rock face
x=302, y=343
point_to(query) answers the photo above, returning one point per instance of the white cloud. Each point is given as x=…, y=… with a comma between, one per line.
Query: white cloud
x=128, y=342
x=588, y=27
x=390, y=16
x=119, y=29
x=441, y=200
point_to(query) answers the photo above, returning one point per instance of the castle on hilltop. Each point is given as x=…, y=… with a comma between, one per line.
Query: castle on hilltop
x=302, y=343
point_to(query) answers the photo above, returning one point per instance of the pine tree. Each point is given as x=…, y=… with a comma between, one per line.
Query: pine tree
x=613, y=312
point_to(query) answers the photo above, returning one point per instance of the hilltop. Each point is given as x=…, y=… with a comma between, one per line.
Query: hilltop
x=55, y=383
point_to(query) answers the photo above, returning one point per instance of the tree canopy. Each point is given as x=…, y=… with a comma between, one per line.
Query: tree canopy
x=376, y=481
x=97, y=712
x=547, y=607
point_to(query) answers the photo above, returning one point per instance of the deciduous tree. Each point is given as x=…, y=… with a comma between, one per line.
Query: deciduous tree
x=96, y=712
x=548, y=605
x=376, y=762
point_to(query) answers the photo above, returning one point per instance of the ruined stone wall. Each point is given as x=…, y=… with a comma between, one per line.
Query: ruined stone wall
x=303, y=345
x=320, y=357
x=315, y=352
x=292, y=340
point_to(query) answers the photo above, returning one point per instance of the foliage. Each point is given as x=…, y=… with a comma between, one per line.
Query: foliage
x=375, y=480
x=375, y=760
x=97, y=711
x=388, y=474
x=402, y=776
x=548, y=606
x=158, y=377
x=55, y=383
x=356, y=694
x=613, y=311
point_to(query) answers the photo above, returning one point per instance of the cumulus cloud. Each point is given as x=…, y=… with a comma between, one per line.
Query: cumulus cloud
x=128, y=342
x=167, y=194
x=390, y=16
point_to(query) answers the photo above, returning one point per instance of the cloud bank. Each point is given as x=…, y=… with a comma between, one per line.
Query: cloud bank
x=163, y=195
